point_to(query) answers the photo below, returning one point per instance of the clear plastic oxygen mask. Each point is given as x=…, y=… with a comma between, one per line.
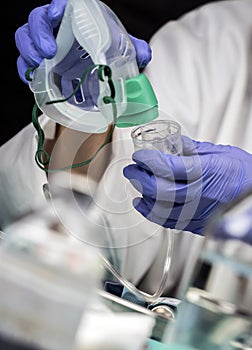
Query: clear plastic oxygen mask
x=94, y=79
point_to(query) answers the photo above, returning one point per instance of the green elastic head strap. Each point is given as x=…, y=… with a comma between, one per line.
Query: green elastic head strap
x=42, y=157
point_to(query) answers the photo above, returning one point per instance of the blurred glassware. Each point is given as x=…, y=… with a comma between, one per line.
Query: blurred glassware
x=216, y=311
x=48, y=279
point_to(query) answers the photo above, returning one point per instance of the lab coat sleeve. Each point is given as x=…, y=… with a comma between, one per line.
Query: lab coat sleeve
x=201, y=72
x=21, y=181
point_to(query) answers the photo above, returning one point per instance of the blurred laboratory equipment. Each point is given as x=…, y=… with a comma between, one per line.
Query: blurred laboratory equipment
x=47, y=281
x=115, y=331
x=51, y=282
x=216, y=311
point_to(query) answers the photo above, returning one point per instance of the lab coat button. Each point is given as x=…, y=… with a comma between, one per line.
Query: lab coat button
x=46, y=191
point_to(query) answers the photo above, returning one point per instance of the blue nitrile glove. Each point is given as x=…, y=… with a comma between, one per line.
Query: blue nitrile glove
x=183, y=192
x=143, y=51
x=234, y=222
x=35, y=40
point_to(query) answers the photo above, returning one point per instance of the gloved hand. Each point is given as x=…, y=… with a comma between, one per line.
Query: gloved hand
x=183, y=192
x=35, y=40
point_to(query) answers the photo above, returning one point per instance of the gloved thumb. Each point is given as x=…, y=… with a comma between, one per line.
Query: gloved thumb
x=169, y=166
x=56, y=10
x=191, y=147
x=143, y=51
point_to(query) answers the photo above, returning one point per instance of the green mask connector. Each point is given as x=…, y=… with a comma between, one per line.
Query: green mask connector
x=142, y=104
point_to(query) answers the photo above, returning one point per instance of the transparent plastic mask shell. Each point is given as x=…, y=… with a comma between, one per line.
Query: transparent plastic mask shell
x=89, y=34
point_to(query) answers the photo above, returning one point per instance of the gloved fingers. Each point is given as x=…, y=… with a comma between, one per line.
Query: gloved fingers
x=184, y=212
x=143, y=181
x=22, y=67
x=178, y=168
x=192, y=147
x=56, y=11
x=162, y=189
x=141, y=206
x=143, y=51
x=163, y=209
x=41, y=32
x=29, y=54
x=149, y=185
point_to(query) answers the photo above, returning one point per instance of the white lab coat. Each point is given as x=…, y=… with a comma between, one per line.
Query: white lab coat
x=201, y=72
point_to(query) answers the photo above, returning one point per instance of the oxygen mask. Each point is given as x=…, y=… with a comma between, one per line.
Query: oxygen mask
x=94, y=79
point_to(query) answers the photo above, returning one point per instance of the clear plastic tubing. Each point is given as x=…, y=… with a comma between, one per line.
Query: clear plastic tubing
x=163, y=135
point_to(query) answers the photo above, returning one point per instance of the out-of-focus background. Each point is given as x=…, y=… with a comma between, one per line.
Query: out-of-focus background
x=140, y=17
